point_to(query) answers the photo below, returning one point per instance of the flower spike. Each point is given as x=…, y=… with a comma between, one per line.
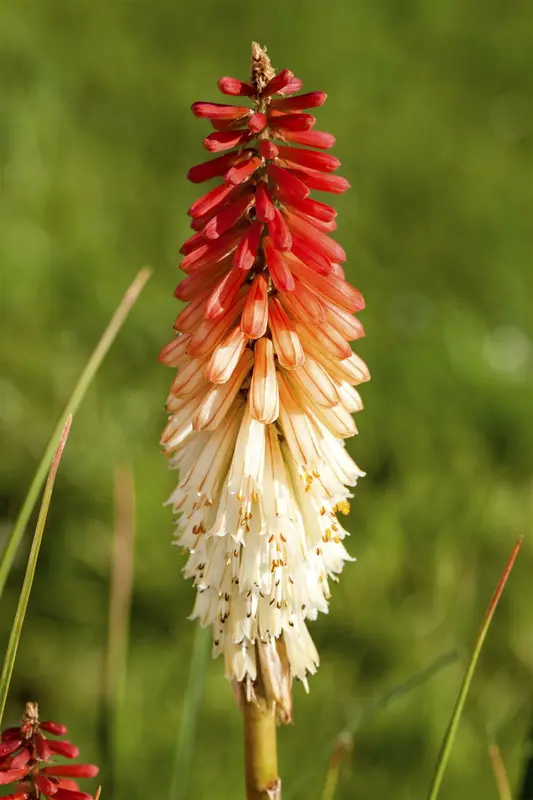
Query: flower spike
x=264, y=394
x=26, y=759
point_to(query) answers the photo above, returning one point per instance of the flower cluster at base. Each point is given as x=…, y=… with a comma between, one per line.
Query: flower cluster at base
x=265, y=389
x=26, y=759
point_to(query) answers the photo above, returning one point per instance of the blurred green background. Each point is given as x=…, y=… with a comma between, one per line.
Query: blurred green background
x=431, y=106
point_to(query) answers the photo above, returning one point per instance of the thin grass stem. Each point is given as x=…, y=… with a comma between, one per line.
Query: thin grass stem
x=18, y=621
x=453, y=725
x=366, y=714
x=85, y=380
x=344, y=746
x=188, y=726
x=121, y=586
x=500, y=773
x=526, y=791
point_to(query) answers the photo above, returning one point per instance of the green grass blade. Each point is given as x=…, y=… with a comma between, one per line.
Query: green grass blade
x=399, y=691
x=181, y=773
x=526, y=791
x=98, y=355
x=451, y=731
x=119, y=620
x=500, y=773
x=16, y=630
x=366, y=714
x=343, y=748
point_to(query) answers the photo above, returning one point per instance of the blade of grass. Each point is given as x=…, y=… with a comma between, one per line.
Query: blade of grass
x=119, y=617
x=369, y=712
x=181, y=773
x=399, y=691
x=526, y=792
x=16, y=630
x=85, y=379
x=344, y=746
x=451, y=731
x=500, y=773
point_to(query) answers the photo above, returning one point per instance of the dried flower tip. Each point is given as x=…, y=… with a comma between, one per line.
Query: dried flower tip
x=262, y=69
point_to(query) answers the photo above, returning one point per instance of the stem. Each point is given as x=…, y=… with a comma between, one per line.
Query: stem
x=84, y=381
x=453, y=724
x=500, y=773
x=115, y=670
x=260, y=751
x=365, y=715
x=20, y=613
x=344, y=745
x=527, y=783
x=190, y=715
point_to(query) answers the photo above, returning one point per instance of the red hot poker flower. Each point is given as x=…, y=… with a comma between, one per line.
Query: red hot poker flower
x=265, y=390
x=26, y=759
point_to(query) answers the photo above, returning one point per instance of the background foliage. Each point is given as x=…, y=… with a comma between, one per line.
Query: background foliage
x=430, y=103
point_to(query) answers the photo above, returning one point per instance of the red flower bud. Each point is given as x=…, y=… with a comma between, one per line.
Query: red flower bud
x=219, y=111
x=9, y=746
x=64, y=749
x=278, y=83
x=54, y=727
x=72, y=770
x=235, y=87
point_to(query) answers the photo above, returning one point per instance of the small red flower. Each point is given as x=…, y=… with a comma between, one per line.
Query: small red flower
x=25, y=759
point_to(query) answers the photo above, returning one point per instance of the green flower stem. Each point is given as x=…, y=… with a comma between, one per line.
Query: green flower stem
x=260, y=751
